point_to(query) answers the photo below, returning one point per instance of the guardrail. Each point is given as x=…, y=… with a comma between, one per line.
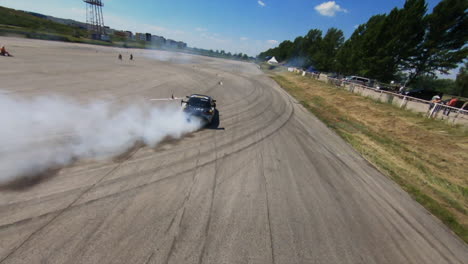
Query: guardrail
x=452, y=115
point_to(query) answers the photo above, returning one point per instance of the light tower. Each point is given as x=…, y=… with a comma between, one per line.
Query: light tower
x=94, y=18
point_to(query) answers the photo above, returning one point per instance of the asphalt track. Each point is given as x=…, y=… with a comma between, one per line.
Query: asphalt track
x=271, y=185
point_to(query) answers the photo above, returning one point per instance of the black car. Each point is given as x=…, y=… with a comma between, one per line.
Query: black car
x=422, y=94
x=201, y=106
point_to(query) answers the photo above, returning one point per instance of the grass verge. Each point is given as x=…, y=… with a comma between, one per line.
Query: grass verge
x=426, y=157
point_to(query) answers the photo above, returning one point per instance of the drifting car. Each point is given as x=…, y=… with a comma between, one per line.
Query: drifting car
x=201, y=106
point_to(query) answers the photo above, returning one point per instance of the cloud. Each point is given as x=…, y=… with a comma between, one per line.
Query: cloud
x=329, y=8
x=272, y=42
x=199, y=29
x=244, y=38
x=261, y=3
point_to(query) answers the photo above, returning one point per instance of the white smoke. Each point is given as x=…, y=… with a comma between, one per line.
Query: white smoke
x=166, y=56
x=48, y=132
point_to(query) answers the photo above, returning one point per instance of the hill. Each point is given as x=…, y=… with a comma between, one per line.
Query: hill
x=22, y=23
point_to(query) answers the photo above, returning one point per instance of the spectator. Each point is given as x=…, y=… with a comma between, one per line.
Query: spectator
x=402, y=90
x=3, y=52
x=451, y=103
x=120, y=56
x=435, y=100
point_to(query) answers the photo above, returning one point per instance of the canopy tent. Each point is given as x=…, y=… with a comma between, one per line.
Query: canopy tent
x=272, y=61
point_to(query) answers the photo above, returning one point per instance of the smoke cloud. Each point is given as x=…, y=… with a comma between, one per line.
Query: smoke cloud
x=48, y=132
x=172, y=57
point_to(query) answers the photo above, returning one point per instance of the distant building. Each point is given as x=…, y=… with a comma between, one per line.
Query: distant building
x=120, y=34
x=148, y=37
x=171, y=43
x=140, y=37
x=105, y=37
x=175, y=44
x=124, y=34
x=158, y=40
x=129, y=35
x=109, y=31
x=181, y=45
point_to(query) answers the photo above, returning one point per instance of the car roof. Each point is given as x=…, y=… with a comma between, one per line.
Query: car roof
x=200, y=96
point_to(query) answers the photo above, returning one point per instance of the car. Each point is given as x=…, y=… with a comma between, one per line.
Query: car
x=201, y=106
x=383, y=87
x=360, y=80
x=422, y=94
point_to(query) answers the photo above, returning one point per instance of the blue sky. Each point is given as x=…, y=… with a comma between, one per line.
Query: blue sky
x=247, y=26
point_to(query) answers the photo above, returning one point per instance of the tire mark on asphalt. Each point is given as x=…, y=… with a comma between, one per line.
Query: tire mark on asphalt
x=255, y=142
x=262, y=171
x=213, y=191
x=234, y=141
x=150, y=258
x=187, y=197
x=60, y=212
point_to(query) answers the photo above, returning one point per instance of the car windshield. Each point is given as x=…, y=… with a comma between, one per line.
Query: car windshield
x=199, y=102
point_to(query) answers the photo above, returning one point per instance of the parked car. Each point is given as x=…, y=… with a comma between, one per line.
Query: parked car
x=383, y=87
x=422, y=94
x=360, y=80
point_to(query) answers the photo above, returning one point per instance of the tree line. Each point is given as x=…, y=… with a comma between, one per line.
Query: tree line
x=404, y=45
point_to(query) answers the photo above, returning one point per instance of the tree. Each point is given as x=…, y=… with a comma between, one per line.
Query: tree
x=402, y=32
x=284, y=50
x=462, y=81
x=312, y=47
x=444, y=42
x=358, y=54
x=325, y=57
x=348, y=58
x=299, y=48
x=378, y=48
x=432, y=83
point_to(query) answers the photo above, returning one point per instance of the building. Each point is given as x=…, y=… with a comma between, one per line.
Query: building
x=140, y=37
x=148, y=37
x=129, y=35
x=124, y=34
x=181, y=45
x=108, y=30
x=158, y=40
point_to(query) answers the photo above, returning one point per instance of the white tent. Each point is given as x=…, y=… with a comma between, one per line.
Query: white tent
x=273, y=61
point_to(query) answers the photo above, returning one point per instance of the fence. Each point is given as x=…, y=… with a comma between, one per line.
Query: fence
x=438, y=111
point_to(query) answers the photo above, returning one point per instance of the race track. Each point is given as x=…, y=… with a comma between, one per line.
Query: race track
x=271, y=184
